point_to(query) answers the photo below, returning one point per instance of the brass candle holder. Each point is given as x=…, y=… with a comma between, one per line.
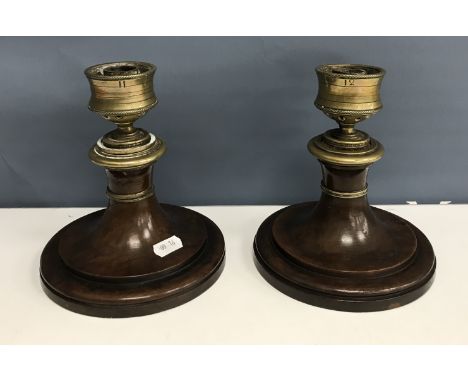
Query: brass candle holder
x=340, y=253
x=137, y=256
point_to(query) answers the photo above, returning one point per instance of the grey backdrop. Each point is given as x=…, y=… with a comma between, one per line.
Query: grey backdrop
x=236, y=114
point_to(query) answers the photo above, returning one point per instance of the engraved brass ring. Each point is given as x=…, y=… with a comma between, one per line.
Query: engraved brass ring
x=344, y=195
x=130, y=198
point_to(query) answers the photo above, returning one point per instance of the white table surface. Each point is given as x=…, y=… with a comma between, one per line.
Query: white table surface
x=241, y=307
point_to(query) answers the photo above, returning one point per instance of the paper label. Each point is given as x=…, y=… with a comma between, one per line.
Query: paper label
x=165, y=247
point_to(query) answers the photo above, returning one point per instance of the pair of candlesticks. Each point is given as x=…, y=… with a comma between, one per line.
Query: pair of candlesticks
x=139, y=257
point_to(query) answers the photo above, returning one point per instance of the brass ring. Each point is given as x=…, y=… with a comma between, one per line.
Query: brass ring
x=130, y=198
x=344, y=195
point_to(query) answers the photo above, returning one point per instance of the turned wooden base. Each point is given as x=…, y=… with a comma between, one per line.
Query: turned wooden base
x=344, y=255
x=103, y=265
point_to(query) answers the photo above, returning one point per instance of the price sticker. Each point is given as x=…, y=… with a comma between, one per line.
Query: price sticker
x=165, y=247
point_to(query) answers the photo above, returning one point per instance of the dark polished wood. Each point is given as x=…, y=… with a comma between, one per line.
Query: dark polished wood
x=343, y=254
x=103, y=264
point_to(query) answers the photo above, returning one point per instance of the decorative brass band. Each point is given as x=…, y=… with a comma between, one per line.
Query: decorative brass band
x=361, y=113
x=139, y=111
x=129, y=198
x=344, y=195
x=328, y=151
x=127, y=157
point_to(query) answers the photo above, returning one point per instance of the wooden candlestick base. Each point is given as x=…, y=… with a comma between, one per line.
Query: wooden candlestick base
x=126, y=260
x=340, y=253
x=298, y=256
x=106, y=277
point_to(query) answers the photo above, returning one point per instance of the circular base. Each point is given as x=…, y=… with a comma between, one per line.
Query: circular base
x=345, y=292
x=103, y=298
